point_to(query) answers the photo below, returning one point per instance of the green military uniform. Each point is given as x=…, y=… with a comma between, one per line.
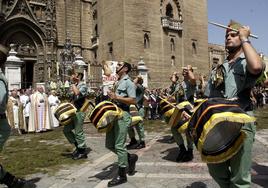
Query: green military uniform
x=4, y=126
x=140, y=126
x=116, y=136
x=77, y=137
x=238, y=82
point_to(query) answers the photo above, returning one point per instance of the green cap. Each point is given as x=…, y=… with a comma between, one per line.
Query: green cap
x=234, y=25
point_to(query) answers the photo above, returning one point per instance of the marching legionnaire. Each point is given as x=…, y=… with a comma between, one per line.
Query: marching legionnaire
x=235, y=79
x=124, y=96
x=74, y=132
x=188, y=85
x=138, y=81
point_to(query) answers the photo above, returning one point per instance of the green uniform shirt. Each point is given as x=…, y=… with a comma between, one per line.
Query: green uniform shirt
x=125, y=88
x=237, y=81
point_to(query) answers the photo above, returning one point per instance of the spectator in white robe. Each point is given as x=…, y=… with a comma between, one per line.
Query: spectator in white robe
x=40, y=114
x=54, y=102
x=25, y=100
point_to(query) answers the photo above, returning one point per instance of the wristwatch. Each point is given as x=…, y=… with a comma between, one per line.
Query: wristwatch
x=245, y=41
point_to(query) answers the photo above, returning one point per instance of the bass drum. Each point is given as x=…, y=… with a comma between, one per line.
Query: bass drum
x=64, y=113
x=215, y=128
x=104, y=114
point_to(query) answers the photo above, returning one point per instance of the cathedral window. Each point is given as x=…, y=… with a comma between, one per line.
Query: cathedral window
x=194, y=46
x=173, y=60
x=169, y=11
x=172, y=45
x=146, y=41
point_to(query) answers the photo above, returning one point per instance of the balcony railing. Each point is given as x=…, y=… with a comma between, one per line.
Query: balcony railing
x=170, y=23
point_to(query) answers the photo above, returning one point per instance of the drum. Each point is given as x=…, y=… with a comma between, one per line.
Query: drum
x=104, y=114
x=64, y=113
x=167, y=107
x=176, y=116
x=135, y=117
x=215, y=128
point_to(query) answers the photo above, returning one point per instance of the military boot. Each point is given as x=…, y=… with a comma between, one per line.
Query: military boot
x=120, y=178
x=181, y=154
x=12, y=182
x=132, y=144
x=132, y=159
x=188, y=156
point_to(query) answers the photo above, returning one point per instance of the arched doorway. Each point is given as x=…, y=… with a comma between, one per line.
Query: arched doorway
x=28, y=39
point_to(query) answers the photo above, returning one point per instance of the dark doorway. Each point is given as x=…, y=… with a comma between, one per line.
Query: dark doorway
x=27, y=74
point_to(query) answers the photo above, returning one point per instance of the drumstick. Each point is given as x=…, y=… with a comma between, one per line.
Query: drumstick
x=226, y=27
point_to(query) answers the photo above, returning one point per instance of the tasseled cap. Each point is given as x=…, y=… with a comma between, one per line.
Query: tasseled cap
x=234, y=25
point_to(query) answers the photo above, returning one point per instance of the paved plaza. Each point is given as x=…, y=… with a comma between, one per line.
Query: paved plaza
x=156, y=166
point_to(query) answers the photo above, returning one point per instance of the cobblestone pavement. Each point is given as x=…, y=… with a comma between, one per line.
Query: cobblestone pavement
x=156, y=167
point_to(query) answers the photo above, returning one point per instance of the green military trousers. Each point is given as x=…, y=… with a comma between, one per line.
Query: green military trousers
x=235, y=172
x=179, y=139
x=139, y=127
x=116, y=138
x=74, y=132
x=4, y=134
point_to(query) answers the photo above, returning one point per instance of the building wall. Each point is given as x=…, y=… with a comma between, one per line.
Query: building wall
x=121, y=28
x=125, y=22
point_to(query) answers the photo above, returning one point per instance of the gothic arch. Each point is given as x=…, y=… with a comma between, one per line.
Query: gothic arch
x=30, y=41
x=177, y=13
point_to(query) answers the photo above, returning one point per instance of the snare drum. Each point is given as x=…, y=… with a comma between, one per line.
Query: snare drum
x=167, y=107
x=135, y=117
x=104, y=114
x=215, y=128
x=176, y=116
x=64, y=113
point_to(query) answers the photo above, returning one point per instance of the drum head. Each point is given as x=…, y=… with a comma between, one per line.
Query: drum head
x=221, y=137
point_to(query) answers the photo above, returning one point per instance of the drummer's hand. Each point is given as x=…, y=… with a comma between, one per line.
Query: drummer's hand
x=112, y=95
x=244, y=32
x=185, y=116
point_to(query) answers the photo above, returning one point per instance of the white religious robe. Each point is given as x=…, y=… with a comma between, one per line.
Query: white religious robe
x=15, y=110
x=40, y=115
x=54, y=103
x=25, y=100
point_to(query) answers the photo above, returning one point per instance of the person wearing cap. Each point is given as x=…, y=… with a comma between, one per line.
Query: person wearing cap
x=240, y=71
x=74, y=132
x=133, y=144
x=123, y=97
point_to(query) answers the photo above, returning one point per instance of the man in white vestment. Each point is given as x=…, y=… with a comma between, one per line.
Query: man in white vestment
x=25, y=100
x=40, y=114
x=14, y=111
x=54, y=102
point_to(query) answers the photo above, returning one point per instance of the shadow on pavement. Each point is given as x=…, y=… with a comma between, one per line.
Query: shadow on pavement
x=30, y=183
x=167, y=139
x=197, y=184
x=172, y=154
x=260, y=170
x=107, y=173
x=69, y=154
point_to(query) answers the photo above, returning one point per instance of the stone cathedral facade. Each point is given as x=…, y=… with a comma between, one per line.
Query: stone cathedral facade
x=167, y=34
